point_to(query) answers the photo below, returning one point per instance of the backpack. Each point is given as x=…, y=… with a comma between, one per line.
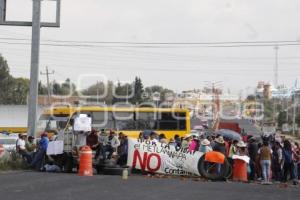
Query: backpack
x=288, y=156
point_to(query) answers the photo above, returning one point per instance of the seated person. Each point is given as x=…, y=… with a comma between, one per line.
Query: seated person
x=92, y=140
x=30, y=145
x=21, y=149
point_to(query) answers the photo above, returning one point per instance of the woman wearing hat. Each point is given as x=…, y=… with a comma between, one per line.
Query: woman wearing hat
x=220, y=145
x=241, y=149
x=205, y=146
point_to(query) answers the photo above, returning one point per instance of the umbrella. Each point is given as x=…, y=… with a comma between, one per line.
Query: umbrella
x=229, y=134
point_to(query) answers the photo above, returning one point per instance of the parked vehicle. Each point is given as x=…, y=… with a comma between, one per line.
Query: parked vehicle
x=8, y=142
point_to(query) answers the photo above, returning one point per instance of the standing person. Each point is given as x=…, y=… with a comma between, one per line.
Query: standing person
x=241, y=149
x=205, y=146
x=288, y=165
x=21, y=148
x=40, y=154
x=277, y=161
x=123, y=149
x=177, y=141
x=153, y=137
x=252, y=150
x=193, y=144
x=265, y=155
x=232, y=151
x=220, y=147
x=186, y=142
x=172, y=143
x=297, y=160
x=163, y=139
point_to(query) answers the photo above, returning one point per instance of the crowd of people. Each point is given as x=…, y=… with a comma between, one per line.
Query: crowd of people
x=271, y=158
x=108, y=145
x=33, y=153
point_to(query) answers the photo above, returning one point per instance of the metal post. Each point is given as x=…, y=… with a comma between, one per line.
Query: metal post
x=295, y=103
x=48, y=84
x=34, y=71
x=276, y=67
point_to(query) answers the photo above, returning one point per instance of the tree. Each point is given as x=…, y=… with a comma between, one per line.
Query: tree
x=12, y=90
x=104, y=90
x=122, y=92
x=5, y=80
x=281, y=118
x=298, y=119
x=251, y=98
x=138, y=91
x=42, y=89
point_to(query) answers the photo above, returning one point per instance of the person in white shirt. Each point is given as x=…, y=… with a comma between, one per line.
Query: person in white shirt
x=21, y=148
x=113, y=144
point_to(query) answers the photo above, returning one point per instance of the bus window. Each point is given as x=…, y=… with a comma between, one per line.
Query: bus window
x=181, y=120
x=103, y=120
x=124, y=120
x=99, y=118
x=146, y=121
x=51, y=123
x=166, y=121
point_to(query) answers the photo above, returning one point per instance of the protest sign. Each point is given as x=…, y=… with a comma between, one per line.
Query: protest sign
x=161, y=158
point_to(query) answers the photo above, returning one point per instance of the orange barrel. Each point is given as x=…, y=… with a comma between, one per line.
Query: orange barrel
x=240, y=172
x=85, y=161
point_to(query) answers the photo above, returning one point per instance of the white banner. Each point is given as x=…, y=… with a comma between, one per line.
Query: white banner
x=83, y=123
x=55, y=147
x=162, y=158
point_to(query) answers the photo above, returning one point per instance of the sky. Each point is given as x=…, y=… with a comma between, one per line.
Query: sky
x=163, y=21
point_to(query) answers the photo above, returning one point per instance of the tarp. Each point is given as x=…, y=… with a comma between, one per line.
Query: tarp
x=229, y=134
x=162, y=158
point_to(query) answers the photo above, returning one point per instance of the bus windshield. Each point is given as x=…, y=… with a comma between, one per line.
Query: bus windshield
x=52, y=123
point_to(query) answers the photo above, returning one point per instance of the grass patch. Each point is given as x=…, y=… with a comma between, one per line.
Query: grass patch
x=12, y=161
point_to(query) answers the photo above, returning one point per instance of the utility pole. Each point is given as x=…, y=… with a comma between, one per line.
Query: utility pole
x=36, y=25
x=97, y=100
x=34, y=71
x=276, y=48
x=126, y=93
x=48, y=83
x=295, y=104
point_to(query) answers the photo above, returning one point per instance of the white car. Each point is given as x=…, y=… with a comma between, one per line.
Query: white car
x=8, y=142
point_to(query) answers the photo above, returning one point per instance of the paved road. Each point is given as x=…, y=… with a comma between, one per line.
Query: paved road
x=37, y=186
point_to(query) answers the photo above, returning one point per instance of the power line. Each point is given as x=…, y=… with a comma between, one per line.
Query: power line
x=158, y=45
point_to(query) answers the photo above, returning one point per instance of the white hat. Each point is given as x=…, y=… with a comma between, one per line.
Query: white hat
x=205, y=142
x=187, y=136
x=220, y=140
x=241, y=144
